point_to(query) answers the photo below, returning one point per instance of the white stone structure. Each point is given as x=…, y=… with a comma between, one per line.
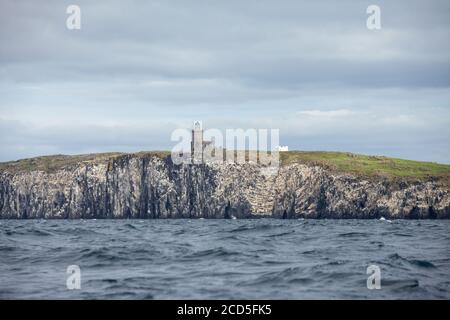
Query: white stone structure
x=282, y=148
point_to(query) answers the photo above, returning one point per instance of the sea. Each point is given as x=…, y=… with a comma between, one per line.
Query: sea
x=224, y=259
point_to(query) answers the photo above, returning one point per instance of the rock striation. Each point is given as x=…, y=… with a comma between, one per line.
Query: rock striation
x=132, y=186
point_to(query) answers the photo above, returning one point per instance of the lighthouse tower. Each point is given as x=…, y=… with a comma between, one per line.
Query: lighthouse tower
x=197, y=142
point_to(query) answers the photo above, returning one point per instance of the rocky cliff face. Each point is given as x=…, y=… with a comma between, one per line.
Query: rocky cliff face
x=153, y=187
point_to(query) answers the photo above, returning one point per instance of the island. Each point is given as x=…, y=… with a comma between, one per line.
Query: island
x=148, y=185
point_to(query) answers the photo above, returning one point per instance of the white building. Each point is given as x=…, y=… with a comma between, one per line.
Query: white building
x=282, y=148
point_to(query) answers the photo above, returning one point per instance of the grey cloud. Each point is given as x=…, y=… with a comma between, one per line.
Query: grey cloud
x=262, y=42
x=138, y=69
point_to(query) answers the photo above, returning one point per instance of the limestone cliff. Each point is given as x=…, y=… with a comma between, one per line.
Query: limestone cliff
x=150, y=186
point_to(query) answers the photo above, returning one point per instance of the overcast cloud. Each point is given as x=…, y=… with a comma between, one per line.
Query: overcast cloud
x=139, y=69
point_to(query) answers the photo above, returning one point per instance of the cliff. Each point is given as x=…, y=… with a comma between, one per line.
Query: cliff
x=149, y=185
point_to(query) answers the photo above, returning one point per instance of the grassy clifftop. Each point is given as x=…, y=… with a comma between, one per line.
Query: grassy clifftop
x=340, y=162
x=371, y=166
x=56, y=162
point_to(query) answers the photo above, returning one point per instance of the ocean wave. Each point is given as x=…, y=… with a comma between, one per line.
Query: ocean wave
x=352, y=234
x=276, y=235
x=414, y=262
x=256, y=227
x=244, y=259
x=212, y=253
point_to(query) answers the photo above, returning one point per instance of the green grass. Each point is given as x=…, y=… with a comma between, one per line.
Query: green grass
x=371, y=167
x=53, y=163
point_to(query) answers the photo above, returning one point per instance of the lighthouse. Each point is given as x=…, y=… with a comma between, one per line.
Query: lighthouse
x=197, y=143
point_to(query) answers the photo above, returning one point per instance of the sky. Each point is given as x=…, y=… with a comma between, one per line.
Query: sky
x=137, y=70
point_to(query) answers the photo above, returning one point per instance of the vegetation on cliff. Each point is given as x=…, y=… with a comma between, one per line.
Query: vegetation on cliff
x=372, y=166
x=366, y=166
x=148, y=185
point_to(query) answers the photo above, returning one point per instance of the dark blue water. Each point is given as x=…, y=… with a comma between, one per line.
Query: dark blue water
x=223, y=259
